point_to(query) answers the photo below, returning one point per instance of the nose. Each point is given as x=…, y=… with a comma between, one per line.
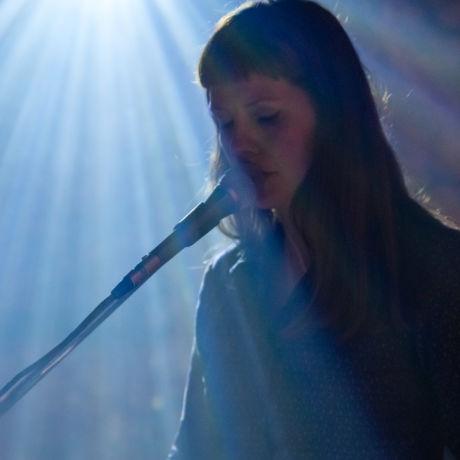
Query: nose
x=239, y=140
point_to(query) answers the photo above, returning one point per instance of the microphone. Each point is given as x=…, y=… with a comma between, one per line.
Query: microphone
x=230, y=194
x=227, y=197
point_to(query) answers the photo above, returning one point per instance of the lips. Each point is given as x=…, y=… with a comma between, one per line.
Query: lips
x=258, y=176
x=254, y=171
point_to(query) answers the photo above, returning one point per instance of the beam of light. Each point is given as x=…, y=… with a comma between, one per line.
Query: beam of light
x=104, y=141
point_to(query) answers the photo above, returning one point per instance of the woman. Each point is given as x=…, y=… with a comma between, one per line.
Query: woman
x=331, y=328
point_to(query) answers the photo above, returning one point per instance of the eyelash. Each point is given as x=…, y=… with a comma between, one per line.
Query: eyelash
x=268, y=119
x=264, y=120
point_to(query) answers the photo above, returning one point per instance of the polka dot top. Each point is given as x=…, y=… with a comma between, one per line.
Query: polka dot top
x=255, y=394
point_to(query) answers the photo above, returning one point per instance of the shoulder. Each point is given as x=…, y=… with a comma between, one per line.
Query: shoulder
x=217, y=280
x=438, y=329
x=441, y=239
x=232, y=287
x=220, y=267
x=440, y=264
x=223, y=295
x=225, y=260
x=429, y=254
x=445, y=256
x=429, y=248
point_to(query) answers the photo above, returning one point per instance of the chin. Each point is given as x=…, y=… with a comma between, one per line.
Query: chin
x=279, y=204
x=267, y=202
x=263, y=200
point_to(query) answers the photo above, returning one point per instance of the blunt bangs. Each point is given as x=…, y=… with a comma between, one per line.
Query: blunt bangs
x=250, y=42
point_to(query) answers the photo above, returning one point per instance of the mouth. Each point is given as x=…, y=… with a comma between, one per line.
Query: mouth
x=253, y=170
x=258, y=176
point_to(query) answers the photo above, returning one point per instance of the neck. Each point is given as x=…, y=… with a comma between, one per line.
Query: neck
x=295, y=252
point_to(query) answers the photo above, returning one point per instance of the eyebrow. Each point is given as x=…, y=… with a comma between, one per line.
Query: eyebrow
x=258, y=100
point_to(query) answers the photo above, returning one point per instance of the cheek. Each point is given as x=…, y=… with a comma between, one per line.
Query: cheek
x=296, y=150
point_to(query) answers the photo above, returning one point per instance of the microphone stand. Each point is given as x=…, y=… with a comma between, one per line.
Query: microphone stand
x=203, y=218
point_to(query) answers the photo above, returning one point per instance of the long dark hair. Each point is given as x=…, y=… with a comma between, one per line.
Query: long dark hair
x=347, y=206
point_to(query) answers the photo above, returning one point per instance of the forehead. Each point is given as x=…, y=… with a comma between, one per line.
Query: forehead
x=251, y=90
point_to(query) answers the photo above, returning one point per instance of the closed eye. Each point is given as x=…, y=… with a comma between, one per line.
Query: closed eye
x=268, y=119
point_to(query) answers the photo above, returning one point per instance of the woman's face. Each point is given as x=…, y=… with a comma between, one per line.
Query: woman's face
x=266, y=128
